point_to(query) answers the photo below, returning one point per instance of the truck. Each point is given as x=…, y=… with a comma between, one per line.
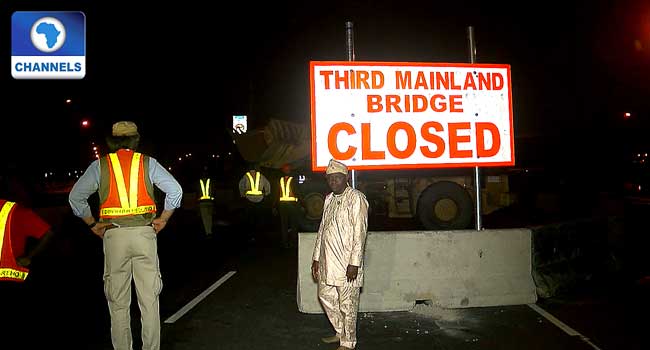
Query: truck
x=436, y=199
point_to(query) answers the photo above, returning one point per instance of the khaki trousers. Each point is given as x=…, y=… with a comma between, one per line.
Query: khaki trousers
x=131, y=254
x=341, y=305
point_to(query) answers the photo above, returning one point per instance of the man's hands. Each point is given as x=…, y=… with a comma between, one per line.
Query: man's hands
x=24, y=261
x=314, y=270
x=158, y=224
x=100, y=228
x=352, y=272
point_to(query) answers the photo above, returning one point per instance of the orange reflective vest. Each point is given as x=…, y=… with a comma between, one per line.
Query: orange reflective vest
x=9, y=269
x=129, y=192
x=286, y=191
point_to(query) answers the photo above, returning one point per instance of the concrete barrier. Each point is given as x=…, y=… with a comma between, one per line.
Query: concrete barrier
x=452, y=269
x=570, y=254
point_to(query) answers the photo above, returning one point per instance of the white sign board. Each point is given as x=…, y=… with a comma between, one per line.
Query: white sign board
x=239, y=124
x=396, y=115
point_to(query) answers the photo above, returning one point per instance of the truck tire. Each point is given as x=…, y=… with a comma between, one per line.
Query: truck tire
x=445, y=205
x=312, y=211
x=313, y=203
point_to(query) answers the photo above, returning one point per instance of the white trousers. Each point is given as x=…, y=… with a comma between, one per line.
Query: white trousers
x=341, y=305
x=131, y=254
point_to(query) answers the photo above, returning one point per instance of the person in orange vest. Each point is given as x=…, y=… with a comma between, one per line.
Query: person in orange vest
x=288, y=207
x=206, y=201
x=255, y=188
x=129, y=222
x=19, y=224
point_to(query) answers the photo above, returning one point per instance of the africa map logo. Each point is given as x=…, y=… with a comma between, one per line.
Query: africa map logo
x=47, y=34
x=48, y=45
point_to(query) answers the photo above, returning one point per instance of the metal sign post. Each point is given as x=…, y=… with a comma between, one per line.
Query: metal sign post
x=477, y=170
x=349, y=41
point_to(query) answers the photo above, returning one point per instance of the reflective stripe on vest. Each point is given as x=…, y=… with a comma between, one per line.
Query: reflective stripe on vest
x=8, y=272
x=255, y=185
x=286, y=190
x=128, y=202
x=205, y=189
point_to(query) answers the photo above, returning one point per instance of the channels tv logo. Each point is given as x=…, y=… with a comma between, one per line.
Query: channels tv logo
x=48, y=45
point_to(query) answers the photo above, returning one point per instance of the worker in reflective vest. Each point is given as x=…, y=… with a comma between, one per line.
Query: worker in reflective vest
x=206, y=202
x=128, y=225
x=21, y=298
x=255, y=188
x=17, y=223
x=288, y=208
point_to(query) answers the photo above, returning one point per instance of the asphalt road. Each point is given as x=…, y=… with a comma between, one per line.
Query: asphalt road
x=227, y=293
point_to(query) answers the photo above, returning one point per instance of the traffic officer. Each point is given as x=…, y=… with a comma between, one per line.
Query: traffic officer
x=288, y=207
x=21, y=299
x=206, y=202
x=17, y=223
x=255, y=188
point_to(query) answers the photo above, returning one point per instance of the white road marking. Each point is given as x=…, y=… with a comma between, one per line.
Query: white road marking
x=173, y=318
x=568, y=330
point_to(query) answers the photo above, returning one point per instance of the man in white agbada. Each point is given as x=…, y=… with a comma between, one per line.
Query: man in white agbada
x=337, y=261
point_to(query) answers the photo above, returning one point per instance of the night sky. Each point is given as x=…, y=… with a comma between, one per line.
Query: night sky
x=182, y=69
